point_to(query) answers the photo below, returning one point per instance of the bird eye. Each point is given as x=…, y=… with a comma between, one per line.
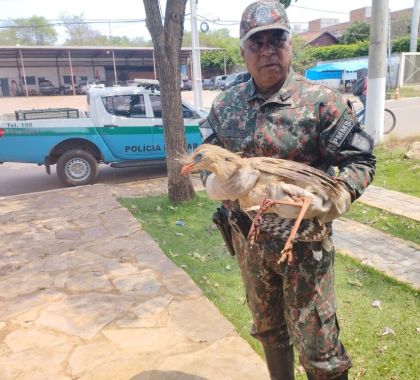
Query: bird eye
x=198, y=157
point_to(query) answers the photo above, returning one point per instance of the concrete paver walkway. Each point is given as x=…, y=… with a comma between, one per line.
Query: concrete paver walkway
x=392, y=201
x=395, y=257
x=86, y=294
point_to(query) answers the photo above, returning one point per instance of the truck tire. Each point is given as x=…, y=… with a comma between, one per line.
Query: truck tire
x=77, y=167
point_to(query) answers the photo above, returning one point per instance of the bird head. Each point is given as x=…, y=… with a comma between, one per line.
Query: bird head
x=212, y=158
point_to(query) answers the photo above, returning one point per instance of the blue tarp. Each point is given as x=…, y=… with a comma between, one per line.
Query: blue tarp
x=335, y=70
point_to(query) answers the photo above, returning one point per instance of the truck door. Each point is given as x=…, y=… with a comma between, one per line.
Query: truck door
x=127, y=127
x=191, y=120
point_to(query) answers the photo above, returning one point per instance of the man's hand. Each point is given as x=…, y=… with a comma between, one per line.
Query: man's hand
x=241, y=183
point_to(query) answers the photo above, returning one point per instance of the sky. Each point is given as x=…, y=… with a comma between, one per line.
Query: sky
x=221, y=13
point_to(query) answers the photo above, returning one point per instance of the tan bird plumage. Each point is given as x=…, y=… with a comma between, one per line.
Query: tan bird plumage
x=287, y=188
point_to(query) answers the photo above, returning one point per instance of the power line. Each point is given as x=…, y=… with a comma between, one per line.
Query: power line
x=62, y=23
x=319, y=10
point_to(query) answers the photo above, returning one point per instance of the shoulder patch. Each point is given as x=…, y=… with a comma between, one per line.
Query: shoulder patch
x=361, y=142
x=342, y=130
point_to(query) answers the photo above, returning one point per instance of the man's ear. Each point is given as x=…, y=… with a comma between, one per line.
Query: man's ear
x=242, y=53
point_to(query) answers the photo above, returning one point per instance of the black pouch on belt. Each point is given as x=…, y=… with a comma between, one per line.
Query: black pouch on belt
x=221, y=220
x=240, y=222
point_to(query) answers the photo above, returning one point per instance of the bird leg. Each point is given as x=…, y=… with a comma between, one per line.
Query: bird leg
x=286, y=252
x=265, y=205
x=256, y=223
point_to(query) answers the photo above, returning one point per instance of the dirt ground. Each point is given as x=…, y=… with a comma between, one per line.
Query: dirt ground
x=11, y=104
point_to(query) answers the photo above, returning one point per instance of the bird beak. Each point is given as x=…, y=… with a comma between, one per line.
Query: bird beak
x=187, y=169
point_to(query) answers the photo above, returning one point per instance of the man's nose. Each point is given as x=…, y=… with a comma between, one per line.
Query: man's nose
x=267, y=49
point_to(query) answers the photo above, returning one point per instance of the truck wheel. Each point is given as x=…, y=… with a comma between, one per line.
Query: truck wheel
x=77, y=167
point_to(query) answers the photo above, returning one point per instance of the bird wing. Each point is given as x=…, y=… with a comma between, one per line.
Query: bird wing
x=297, y=172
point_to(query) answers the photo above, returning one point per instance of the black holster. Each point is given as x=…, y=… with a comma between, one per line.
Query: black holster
x=240, y=222
x=221, y=220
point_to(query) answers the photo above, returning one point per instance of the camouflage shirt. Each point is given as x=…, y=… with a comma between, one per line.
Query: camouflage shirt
x=303, y=121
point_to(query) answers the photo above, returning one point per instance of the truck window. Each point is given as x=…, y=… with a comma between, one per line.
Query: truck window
x=125, y=105
x=187, y=113
x=156, y=105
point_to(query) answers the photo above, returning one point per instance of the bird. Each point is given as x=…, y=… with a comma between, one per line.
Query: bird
x=290, y=189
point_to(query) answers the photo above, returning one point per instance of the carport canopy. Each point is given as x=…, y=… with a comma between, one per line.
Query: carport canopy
x=334, y=70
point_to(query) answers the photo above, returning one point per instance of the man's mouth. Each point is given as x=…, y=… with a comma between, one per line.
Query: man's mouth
x=270, y=64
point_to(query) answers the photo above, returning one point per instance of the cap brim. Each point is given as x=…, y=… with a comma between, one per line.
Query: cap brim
x=278, y=26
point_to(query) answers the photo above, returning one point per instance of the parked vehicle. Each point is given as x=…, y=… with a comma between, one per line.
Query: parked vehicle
x=218, y=81
x=80, y=87
x=47, y=88
x=206, y=84
x=124, y=129
x=188, y=85
x=235, y=79
x=91, y=83
x=66, y=89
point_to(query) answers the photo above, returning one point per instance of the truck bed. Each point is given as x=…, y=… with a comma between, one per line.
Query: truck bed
x=49, y=113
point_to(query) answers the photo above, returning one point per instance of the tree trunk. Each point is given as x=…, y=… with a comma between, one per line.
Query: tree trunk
x=167, y=40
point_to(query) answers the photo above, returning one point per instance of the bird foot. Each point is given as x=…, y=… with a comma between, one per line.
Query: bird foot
x=286, y=253
x=256, y=223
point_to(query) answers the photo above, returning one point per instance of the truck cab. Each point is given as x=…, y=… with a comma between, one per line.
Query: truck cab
x=130, y=122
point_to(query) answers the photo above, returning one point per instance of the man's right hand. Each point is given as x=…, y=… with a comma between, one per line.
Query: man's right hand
x=241, y=183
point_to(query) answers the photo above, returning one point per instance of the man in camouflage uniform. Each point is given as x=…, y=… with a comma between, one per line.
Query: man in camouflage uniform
x=280, y=114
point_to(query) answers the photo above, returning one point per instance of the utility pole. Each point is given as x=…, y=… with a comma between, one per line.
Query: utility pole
x=197, y=86
x=414, y=26
x=375, y=103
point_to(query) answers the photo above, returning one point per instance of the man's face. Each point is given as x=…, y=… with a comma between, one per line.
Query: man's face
x=268, y=56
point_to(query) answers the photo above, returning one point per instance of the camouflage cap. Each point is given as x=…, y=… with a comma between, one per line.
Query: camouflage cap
x=263, y=15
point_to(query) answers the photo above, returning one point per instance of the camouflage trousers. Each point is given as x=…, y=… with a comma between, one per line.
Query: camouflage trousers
x=293, y=304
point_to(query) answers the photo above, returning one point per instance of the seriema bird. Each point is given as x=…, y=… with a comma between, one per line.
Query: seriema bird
x=287, y=188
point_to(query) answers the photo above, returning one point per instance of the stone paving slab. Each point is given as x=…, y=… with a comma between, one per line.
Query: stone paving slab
x=392, y=201
x=85, y=293
x=395, y=257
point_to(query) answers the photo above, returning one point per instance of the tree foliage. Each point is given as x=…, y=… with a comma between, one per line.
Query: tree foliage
x=325, y=53
x=215, y=60
x=31, y=31
x=80, y=33
x=402, y=44
x=360, y=49
x=358, y=31
x=303, y=56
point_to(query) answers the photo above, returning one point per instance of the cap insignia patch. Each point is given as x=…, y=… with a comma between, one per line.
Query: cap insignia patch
x=263, y=15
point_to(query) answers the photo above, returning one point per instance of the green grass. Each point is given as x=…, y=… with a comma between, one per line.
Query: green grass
x=395, y=225
x=198, y=249
x=393, y=171
x=407, y=92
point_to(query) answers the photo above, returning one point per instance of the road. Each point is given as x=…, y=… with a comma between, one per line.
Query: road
x=16, y=178
x=407, y=112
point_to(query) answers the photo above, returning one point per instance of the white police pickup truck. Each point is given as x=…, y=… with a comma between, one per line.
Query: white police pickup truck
x=123, y=128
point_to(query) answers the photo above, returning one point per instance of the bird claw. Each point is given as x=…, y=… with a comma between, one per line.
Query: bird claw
x=286, y=254
x=255, y=227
